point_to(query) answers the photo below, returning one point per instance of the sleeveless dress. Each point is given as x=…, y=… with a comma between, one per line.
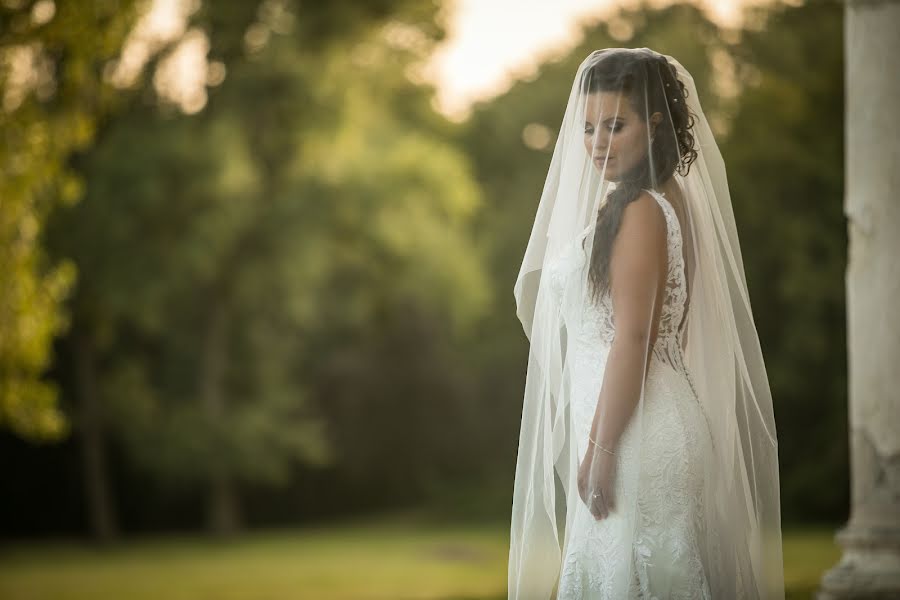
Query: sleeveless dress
x=662, y=549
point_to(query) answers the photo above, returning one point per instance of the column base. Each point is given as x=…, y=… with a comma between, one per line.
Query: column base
x=869, y=568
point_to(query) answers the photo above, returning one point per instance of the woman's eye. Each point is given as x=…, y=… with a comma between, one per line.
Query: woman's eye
x=615, y=128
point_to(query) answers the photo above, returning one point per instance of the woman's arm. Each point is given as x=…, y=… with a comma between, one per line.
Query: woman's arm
x=637, y=284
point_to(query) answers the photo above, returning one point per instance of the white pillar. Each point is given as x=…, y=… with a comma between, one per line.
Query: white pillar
x=870, y=565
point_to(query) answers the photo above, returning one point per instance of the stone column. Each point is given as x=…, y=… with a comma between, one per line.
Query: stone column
x=870, y=565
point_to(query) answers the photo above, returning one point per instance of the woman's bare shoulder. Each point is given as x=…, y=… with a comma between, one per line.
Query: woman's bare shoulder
x=643, y=218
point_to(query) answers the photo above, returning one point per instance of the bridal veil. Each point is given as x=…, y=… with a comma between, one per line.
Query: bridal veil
x=602, y=160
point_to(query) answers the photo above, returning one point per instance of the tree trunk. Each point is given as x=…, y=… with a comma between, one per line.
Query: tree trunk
x=98, y=495
x=224, y=505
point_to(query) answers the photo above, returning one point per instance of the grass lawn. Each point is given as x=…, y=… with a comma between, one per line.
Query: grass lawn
x=392, y=558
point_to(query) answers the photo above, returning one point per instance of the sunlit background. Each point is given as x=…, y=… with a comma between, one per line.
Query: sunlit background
x=257, y=329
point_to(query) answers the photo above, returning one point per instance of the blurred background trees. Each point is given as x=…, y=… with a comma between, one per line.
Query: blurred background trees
x=53, y=96
x=288, y=296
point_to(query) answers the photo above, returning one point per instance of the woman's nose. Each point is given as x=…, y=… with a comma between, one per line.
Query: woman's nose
x=600, y=143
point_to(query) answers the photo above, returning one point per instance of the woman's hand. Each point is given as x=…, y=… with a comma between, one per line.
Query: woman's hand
x=597, y=481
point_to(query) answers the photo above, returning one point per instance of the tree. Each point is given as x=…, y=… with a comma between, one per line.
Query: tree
x=53, y=95
x=229, y=234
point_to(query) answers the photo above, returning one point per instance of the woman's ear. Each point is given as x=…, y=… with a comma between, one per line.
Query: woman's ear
x=655, y=119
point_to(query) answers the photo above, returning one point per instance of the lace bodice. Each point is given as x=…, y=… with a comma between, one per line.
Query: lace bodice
x=599, y=322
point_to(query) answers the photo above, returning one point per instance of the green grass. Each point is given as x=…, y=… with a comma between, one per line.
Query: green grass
x=808, y=553
x=392, y=558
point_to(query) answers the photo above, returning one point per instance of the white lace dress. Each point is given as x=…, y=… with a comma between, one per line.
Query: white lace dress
x=668, y=560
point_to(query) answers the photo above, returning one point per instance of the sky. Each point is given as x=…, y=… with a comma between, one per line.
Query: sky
x=491, y=40
x=489, y=43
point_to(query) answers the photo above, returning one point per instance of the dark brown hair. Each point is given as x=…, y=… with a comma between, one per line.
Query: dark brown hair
x=639, y=75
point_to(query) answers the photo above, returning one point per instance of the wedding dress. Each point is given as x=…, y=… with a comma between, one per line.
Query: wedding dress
x=667, y=549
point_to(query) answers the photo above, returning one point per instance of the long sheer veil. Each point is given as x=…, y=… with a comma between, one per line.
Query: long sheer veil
x=581, y=207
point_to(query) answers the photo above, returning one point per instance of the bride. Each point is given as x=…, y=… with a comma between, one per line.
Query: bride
x=648, y=460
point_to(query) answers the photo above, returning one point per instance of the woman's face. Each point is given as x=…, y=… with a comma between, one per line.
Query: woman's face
x=620, y=140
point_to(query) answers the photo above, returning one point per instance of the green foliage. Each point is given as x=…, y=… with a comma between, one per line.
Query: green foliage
x=784, y=153
x=52, y=96
x=221, y=264
x=315, y=272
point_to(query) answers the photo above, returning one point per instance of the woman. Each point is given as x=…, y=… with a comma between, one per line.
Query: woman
x=648, y=463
